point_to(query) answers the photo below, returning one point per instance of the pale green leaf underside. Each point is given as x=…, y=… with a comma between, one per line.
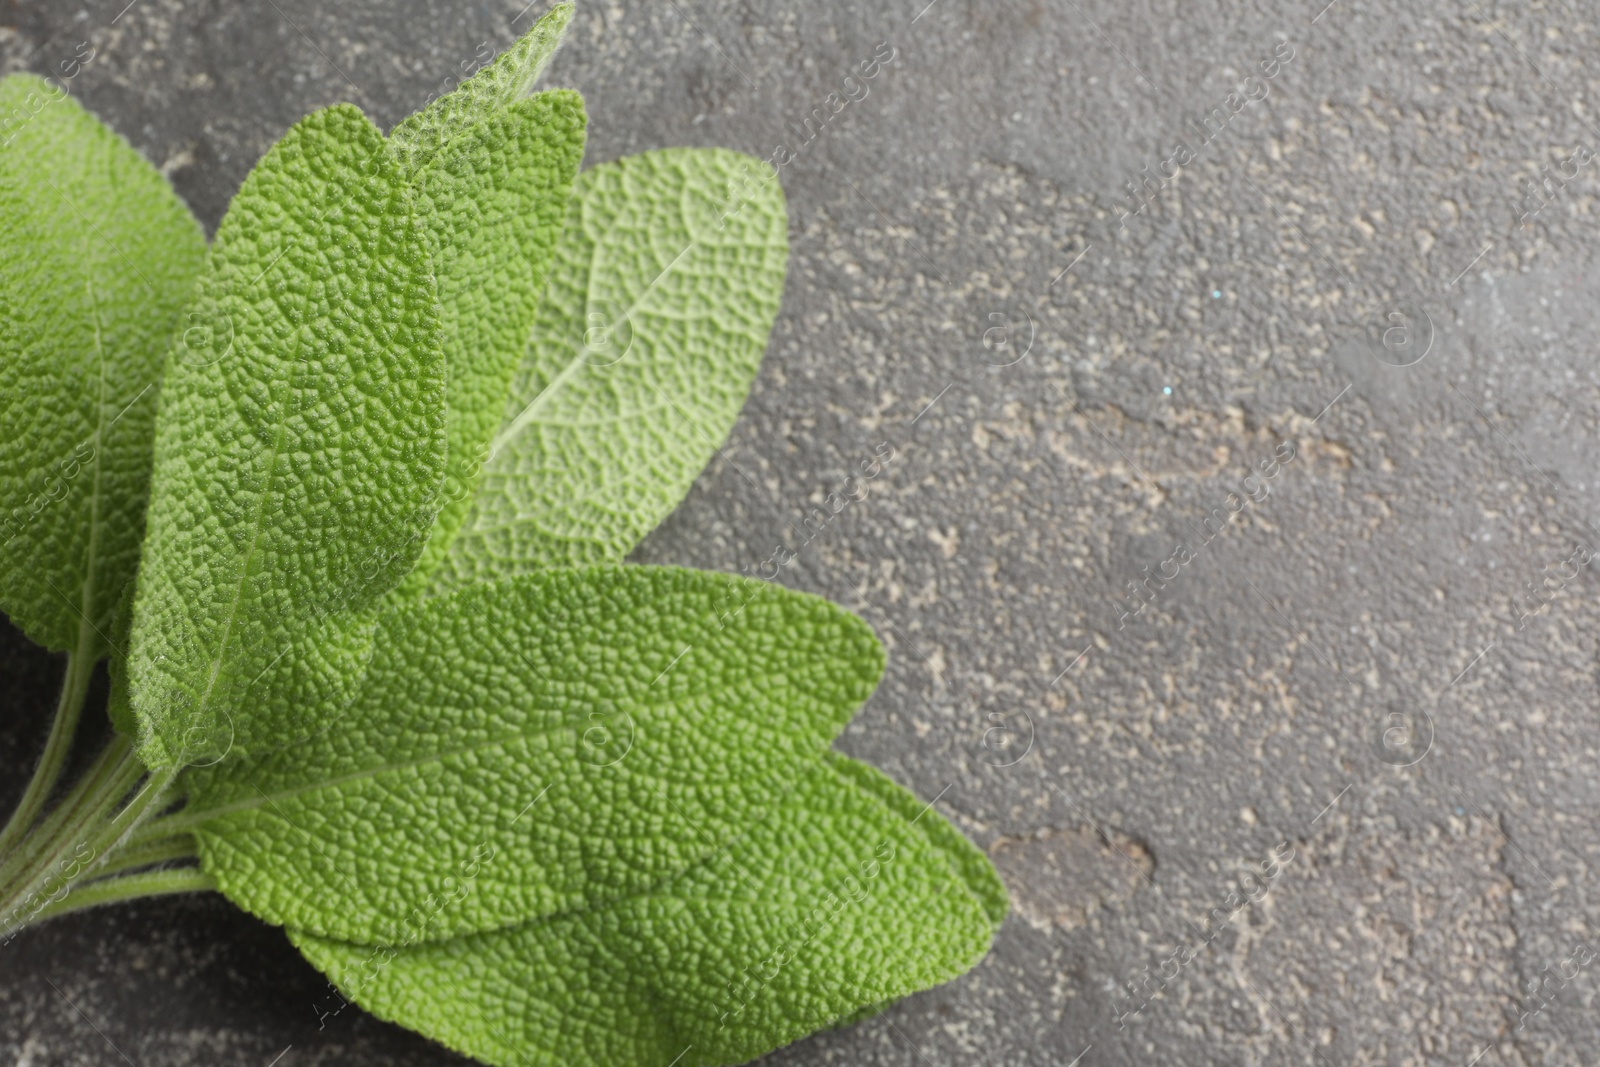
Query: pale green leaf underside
x=664, y=287
x=597, y=729
x=509, y=78
x=97, y=256
x=836, y=902
x=494, y=198
x=299, y=448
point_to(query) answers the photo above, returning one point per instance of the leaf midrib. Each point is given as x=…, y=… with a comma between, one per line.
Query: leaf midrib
x=185, y=820
x=258, y=519
x=530, y=413
x=255, y=528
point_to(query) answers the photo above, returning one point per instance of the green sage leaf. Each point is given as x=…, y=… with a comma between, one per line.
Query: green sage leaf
x=665, y=284
x=597, y=729
x=97, y=257
x=835, y=903
x=299, y=448
x=507, y=79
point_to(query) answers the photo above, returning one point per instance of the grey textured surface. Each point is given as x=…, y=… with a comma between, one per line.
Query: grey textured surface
x=1122, y=772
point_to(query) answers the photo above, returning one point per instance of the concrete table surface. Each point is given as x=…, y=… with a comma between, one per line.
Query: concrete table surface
x=1266, y=282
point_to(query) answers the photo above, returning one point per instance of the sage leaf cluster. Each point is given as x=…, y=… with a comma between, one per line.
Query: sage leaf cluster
x=344, y=496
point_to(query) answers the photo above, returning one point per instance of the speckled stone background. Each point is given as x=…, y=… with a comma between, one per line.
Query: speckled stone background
x=1351, y=672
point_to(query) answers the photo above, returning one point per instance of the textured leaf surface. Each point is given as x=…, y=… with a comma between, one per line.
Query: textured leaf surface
x=967, y=860
x=665, y=284
x=595, y=730
x=507, y=79
x=495, y=199
x=97, y=256
x=300, y=444
x=836, y=902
